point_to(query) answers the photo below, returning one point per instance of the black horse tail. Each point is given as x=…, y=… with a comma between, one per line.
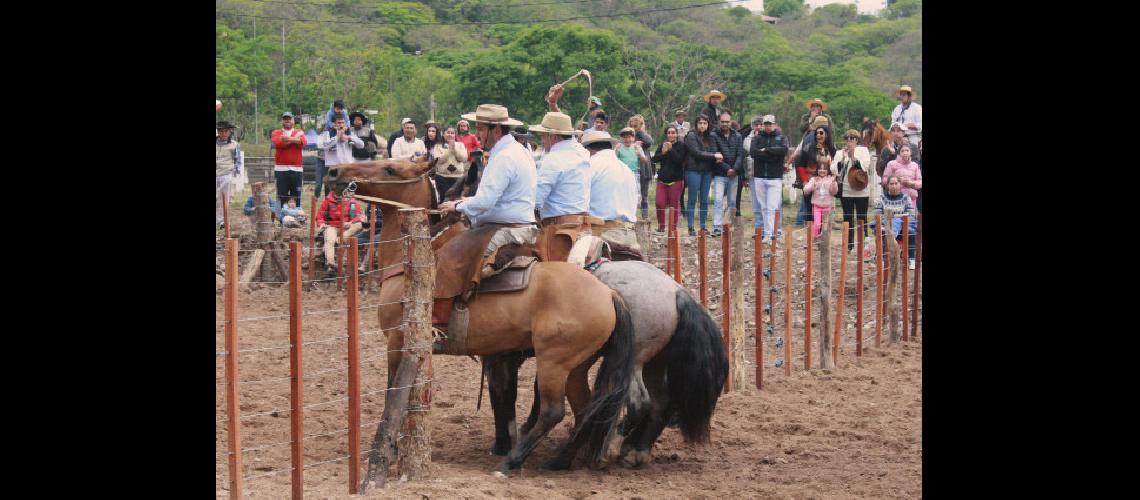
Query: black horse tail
x=611, y=387
x=697, y=368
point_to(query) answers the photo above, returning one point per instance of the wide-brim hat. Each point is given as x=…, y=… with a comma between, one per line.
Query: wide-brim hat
x=857, y=178
x=598, y=136
x=905, y=88
x=492, y=113
x=355, y=114
x=717, y=93
x=818, y=101
x=556, y=123
x=224, y=124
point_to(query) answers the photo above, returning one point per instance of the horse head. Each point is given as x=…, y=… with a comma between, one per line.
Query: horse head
x=396, y=180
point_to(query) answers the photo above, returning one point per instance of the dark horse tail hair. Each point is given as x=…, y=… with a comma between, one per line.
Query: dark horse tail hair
x=611, y=387
x=697, y=368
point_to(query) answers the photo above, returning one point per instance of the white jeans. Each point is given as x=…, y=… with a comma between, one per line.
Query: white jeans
x=221, y=185
x=766, y=198
x=720, y=185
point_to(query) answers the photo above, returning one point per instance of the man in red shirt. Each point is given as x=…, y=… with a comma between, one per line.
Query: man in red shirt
x=469, y=140
x=287, y=163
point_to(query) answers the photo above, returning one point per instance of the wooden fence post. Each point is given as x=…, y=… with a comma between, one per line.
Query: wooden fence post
x=312, y=241
x=892, y=248
x=840, y=316
x=879, y=275
x=678, y=276
x=353, y=368
x=917, y=283
x=233, y=422
x=703, y=264
x=296, y=372
x=807, y=303
x=338, y=253
x=758, y=310
x=859, y=287
x=419, y=276
x=772, y=272
x=726, y=301
x=787, y=302
x=669, y=244
x=905, y=268
x=226, y=213
x=825, y=293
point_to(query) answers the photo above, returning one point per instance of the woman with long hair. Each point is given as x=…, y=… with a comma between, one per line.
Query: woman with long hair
x=819, y=152
x=702, y=155
x=670, y=176
x=432, y=136
x=449, y=163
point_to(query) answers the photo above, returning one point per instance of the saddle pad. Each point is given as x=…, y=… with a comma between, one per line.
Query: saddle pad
x=515, y=277
x=619, y=252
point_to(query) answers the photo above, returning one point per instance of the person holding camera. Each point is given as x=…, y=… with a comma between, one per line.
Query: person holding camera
x=450, y=162
x=337, y=143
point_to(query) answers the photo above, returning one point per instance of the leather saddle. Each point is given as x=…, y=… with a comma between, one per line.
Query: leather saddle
x=451, y=317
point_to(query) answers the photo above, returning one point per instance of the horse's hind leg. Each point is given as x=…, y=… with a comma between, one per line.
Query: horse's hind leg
x=552, y=391
x=646, y=427
x=578, y=392
x=502, y=380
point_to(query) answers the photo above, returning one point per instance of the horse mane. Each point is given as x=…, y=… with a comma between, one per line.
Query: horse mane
x=879, y=137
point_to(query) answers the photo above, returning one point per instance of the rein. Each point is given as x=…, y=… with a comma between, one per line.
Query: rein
x=350, y=192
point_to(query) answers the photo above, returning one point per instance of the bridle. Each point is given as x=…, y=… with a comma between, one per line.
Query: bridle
x=350, y=191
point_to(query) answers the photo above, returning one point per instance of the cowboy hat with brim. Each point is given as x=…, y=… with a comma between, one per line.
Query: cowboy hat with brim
x=715, y=93
x=598, y=136
x=905, y=88
x=355, y=114
x=556, y=123
x=818, y=101
x=492, y=113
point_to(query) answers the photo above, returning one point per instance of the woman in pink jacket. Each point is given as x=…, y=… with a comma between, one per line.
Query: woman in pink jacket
x=908, y=173
x=822, y=189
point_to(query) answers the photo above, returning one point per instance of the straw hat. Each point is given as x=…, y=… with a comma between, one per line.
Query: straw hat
x=556, y=123
x=597, y=136
x=717, y=93
x=492, y=113
x=905, y=88
x=816, y=101
x=820, y=121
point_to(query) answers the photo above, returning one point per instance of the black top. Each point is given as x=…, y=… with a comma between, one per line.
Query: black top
x=672, y=163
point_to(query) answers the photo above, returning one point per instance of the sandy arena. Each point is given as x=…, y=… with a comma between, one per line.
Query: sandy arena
x=852, y=432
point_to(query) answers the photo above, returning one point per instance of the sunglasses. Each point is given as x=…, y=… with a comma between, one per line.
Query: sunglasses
x=851, y=138
x=820, y=132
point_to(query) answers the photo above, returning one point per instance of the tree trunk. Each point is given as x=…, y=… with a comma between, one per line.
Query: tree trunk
x=739, y=275
x=384, y=449
x=892, y=247
x=415, y=456
x=252, y=267
x=825, y=295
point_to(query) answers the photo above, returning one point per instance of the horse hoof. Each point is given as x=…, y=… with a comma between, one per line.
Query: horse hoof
x=499, y=451
x=635, y=459
x=506, y=467
x=556, y=464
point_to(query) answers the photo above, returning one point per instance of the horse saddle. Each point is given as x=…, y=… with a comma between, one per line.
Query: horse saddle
x=451, y=317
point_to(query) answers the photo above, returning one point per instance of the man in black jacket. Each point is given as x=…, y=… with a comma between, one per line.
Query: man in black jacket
x=713, y=110
x=726, y=174
x=767, y=150
x=361, y=130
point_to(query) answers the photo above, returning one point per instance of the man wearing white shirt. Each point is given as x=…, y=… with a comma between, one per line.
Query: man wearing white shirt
x=507, y=191
x=408, y=146
x=908, y=114
x=563, y=194
x=613, y=192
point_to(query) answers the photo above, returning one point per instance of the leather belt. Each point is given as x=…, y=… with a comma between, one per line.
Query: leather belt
x=616, y=224
x=582, y=218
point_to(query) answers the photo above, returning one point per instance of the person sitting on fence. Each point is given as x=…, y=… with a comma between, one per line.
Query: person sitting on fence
x=335, y=214
x=895, y=200
x=822, y=189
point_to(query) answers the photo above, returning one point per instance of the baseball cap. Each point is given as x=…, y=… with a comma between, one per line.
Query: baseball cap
x=286, y=114
x=768, y=119
x=405, y=121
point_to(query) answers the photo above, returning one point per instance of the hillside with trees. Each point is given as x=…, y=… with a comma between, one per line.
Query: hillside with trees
x=645, y=57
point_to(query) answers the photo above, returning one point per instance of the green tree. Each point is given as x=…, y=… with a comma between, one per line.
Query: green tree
x=903, y=8
x=781, y=8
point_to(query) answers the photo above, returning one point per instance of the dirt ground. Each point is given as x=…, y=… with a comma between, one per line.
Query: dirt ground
x=854, y=431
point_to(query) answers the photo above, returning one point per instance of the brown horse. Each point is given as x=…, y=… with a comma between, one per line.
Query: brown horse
x=876, y=138
x=567, y=331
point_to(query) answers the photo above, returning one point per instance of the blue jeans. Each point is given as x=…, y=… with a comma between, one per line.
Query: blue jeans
x=725, y=191
x=698, y=184
x=321, y=171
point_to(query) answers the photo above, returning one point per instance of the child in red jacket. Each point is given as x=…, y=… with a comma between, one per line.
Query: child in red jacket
x=336, y=213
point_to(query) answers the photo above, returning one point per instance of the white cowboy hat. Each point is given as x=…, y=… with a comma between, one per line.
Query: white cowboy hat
x=492, y=113
x=556, y=123
x=595, y=135
x=715, y=93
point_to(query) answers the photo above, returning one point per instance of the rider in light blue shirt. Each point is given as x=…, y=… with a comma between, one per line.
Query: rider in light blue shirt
x=564, y=181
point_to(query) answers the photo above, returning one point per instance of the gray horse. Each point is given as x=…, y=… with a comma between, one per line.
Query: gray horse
x=680, y=368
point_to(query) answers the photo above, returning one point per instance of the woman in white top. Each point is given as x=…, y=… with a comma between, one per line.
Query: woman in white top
x=851, y=158
x=450, y=162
